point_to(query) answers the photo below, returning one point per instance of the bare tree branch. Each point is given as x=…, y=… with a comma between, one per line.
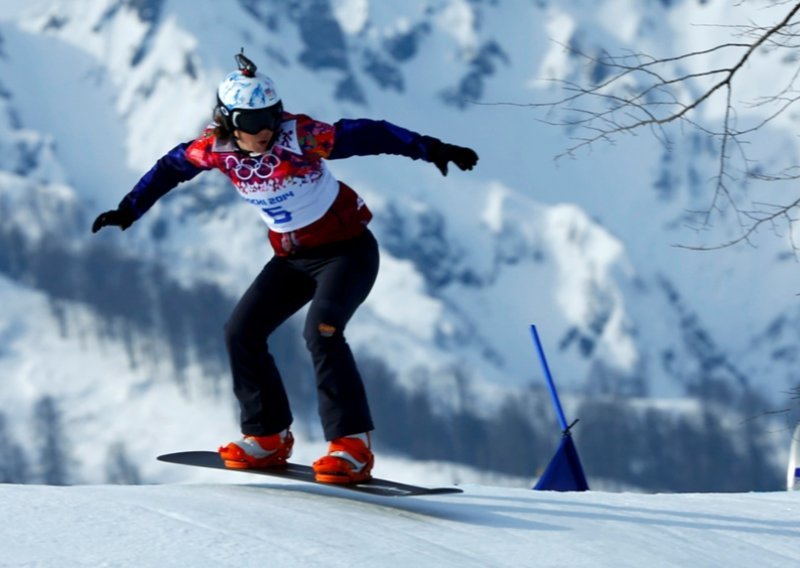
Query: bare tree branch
x=640, y=92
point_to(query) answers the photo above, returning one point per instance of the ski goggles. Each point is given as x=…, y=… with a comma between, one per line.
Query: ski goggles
x=254, y=121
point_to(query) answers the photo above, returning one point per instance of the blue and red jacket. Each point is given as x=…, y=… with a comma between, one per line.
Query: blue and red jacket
x=299, y=199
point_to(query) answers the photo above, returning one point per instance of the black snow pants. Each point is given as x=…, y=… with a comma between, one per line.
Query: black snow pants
x=336, y=278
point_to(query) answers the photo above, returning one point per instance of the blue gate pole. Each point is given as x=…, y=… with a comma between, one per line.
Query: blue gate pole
x=550, y=384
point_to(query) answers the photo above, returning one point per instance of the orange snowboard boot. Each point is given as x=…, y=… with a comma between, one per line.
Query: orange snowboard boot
x=349, y=460
x=258, y=451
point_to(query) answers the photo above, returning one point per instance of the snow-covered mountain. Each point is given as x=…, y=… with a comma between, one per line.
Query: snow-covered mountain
x=114, y=340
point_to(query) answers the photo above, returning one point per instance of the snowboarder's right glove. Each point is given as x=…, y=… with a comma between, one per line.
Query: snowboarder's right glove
x=440, y=154
x=122, y=218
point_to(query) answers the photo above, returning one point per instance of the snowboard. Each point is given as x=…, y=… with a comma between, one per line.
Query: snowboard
x=304, y=473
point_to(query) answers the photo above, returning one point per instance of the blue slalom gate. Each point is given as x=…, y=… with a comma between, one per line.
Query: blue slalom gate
x=564, y=472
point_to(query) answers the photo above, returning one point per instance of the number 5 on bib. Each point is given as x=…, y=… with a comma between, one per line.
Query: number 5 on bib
x=278, y=214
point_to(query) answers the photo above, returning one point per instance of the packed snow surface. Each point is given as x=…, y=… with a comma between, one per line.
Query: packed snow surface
x=275, y=523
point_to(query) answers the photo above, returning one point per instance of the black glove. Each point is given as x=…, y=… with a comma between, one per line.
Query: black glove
x=122, y=218
x=440, y=153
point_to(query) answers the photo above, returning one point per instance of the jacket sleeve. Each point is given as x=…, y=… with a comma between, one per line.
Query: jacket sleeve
x=365, y=137
x=170, y=170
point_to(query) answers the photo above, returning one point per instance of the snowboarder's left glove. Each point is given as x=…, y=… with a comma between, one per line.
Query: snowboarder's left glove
x=440, y=154
x=122, y=218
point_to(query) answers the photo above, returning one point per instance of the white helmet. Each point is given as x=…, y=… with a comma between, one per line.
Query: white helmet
x=243, y=92
x=248, y=99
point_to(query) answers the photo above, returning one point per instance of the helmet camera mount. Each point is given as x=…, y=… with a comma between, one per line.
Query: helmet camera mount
x=246, y=66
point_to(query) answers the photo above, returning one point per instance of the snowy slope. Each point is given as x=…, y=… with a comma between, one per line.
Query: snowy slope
x=280, y=525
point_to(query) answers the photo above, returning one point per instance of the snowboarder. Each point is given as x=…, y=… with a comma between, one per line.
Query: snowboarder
x=323, y=254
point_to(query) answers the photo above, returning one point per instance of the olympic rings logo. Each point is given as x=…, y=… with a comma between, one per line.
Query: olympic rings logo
x=248, y=168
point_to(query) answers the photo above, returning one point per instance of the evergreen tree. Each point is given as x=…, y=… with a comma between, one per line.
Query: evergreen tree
x=120, y=469
x=54, y=462
x=13, y=462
